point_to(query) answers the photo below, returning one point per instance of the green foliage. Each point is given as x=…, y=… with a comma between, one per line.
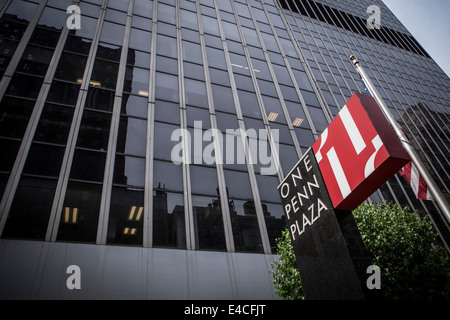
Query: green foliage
x=287, y=280
x=413, y=264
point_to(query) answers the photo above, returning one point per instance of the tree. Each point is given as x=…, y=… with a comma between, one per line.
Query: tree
x=414, y=265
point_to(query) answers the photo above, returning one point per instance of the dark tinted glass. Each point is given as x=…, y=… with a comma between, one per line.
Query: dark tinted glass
x=30, y=210
x=14, y=116
x=54, y=124
x=209, y=232
x=125, y=224
x=168, y=219
x=94, y=130
x=79, y=216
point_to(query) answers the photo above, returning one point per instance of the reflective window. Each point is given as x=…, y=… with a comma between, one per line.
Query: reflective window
x=7, y=159
x=168, y=176
x=126, y=215
x=112, y=33
x=223, y=98
x=104, y=74
x=140, y=40
x=166, y=65
x=44, y=160
x=168, y=219
x=79, y=216
x=275, y=222
x=88, y=165
x=132, y=136
x=30, y=210
x=99, y=99
x=136, y=81
x=166, y=87
x=204, y=180
x=192, y=52
x=167, y=112
x=318, y=118
x=163, y=144
x=94, y=130
x=195, y=93
x=14, y=116
x=249, y=104
x=129, y=171
x=24, y=86
x=134, y=106
x=71, y=67
x=208, y=222
x=35, y=60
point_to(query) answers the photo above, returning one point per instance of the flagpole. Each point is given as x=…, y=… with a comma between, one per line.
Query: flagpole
x=435, y=192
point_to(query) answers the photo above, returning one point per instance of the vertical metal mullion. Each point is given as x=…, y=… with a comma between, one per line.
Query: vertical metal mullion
x=63, y=178
x=14, y=62
x=229, y=238
x=187, y=190
x=105, y=202
x=3, y=6
x=148, y=198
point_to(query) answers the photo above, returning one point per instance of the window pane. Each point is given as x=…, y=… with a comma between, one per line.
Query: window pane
x=168, y=219
x=24, y=86
x=134, y=106
x=71, y=67
x=163, y=143
x=129, y=171
x=167, y=175
x=94, y=130
x=88, y=165
x=249, y=104
x=79, y=216
x=209, y=232
x=104, y=74
x=195, y=93
x=62, y=92
x=14, y=116
x=244, y=222
x=223, y=98
x=30, y=210
x=99, y=99
x=35, y=60
x=204, y=180
x=44, y=160
x=275, y=222
x=125, y=224
x=166, y=87
x=54, y=124
x=167, y=112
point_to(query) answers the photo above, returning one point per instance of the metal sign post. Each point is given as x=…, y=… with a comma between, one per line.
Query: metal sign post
x=437, y=194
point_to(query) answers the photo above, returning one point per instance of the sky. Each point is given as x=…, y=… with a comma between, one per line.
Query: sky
x=429, y=23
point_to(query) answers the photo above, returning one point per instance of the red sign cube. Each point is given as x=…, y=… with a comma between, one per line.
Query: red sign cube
x=358, y=152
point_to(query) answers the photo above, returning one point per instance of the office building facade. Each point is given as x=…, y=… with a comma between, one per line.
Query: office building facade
x=92, y=172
